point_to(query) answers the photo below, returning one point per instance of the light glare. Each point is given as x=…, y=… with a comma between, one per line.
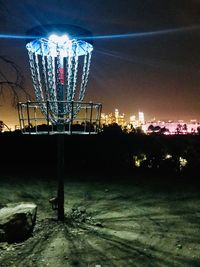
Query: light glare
x=59, y=39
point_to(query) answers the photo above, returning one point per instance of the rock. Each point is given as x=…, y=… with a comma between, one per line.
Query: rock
x=17, y=222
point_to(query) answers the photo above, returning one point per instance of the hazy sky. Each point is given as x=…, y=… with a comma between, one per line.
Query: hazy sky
x=157, y=73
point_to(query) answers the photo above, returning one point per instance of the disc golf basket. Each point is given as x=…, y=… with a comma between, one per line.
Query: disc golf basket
x=60, y=66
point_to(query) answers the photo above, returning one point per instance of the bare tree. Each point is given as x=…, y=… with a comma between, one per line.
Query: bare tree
x=13, y=83
x=11, y=77
x=3, y=125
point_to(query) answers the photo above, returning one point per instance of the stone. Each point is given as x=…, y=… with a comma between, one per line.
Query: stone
x=17, y=221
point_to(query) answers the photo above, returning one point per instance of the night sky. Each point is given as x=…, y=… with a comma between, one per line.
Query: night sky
x=156, y=73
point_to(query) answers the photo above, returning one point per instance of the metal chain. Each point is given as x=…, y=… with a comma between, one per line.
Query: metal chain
x=44, y=72
x=60, y=86
x=74, y=74
x=40, y=91
x=52, y=84
x=68, y=83
x=35, y=72
x=70, y=77
x=85, y=75
x=49, y=83
x=75, y=70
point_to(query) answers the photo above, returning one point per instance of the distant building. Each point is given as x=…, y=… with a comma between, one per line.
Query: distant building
x=113, y=118
x=166, y=127
x=141, y=117
x=117, y=116
x=137, y=122
x=132, y=119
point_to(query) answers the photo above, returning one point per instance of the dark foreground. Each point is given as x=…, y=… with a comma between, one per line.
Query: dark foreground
x=142, y=223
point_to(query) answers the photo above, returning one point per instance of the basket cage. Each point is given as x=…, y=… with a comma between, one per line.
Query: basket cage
x=83, y=118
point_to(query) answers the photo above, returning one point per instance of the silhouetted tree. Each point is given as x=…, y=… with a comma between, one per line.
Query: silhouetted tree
x=150, y=128
x=157, y=129
x=13, y=83
x=184, y=128
x=1, y=126
x=179, y=129
x=113, y=128
x=164, y=130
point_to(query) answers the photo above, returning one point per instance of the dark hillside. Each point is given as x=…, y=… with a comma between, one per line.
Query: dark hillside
x=100, y=154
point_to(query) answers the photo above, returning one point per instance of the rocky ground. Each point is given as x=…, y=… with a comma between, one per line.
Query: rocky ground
x=107, y=224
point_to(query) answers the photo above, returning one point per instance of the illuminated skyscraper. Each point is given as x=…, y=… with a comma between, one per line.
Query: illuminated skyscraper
x=141, y=117
x=113, y=118
x=116, y=115
x=132, y=119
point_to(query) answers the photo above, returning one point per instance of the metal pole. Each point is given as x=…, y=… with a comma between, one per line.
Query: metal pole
x=86, y=111
x=47, y=103
x=91, y=110
x=23, y=120
x=72, y=115
x=61, y=129
x=29, y=126
x=20, y=120
x=60, y=171
x=35, y=118
x=99, y=111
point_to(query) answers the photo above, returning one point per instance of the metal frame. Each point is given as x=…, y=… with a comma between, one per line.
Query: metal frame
x=59, y=68
x=33, y=121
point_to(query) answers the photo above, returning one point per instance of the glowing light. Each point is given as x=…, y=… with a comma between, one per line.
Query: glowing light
x=15, y=36
x=141, y=117
x=142, y=34
x=168, y=156
x=132, y=118
x=113, y=36
x=67, y=47
x=138, y=159
x=64, y=44
x=59, y=39
x=183, y=162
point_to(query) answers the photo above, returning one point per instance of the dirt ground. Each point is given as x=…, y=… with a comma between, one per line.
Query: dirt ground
x=127, y=224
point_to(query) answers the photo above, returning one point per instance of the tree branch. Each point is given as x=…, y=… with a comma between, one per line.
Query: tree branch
x=16, y=84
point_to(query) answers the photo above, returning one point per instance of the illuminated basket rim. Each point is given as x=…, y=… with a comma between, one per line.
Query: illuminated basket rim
x=45, y=47
x=40, y=34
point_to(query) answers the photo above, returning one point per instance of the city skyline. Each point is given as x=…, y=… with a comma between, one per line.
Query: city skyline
x=136, y=118
x=141, y=116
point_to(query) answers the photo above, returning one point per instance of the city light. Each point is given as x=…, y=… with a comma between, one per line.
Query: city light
x=168, y=127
